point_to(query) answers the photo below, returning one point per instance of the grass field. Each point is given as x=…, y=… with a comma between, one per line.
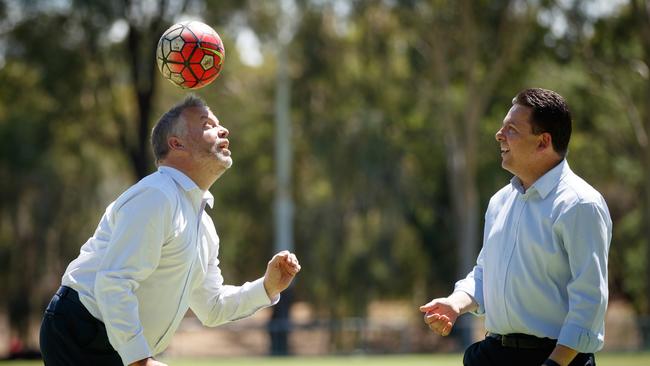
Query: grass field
x=602, y=359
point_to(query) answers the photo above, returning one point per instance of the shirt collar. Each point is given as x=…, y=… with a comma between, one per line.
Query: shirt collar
x=187, y=183
x=545, y=184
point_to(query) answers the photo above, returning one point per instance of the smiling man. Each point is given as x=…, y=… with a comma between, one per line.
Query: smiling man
x=541, y=276
x=154, y=255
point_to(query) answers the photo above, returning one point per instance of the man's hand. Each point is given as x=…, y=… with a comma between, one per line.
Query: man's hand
x=148, y=362
x=441, y=314
x=280, y=271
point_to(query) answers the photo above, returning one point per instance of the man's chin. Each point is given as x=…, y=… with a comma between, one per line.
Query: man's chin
x=508, y=168
x=226, y=162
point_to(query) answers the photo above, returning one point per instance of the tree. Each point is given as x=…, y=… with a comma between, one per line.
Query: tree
x=614, y=51
x=641, y=17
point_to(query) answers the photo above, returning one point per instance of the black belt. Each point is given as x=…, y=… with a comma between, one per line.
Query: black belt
x=67, y=292
x=522, y=341
x=72, y=297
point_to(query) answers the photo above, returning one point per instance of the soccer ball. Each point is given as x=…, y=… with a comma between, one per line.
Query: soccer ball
x=190, y=54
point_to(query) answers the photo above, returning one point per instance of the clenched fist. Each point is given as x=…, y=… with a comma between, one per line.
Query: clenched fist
x=280, y=271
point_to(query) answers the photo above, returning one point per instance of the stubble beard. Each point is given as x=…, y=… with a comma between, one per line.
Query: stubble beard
x=213, y=160
x=224, y=162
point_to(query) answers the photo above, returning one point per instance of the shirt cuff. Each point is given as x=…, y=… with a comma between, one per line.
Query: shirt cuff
x=475, y=295
x=580, y=339
x=259, y=296
x=134, y=350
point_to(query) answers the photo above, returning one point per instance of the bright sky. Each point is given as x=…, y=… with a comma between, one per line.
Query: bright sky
x=249, y=48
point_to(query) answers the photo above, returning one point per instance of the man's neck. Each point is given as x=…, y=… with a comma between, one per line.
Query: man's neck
x=541, y=169
x=196, y=174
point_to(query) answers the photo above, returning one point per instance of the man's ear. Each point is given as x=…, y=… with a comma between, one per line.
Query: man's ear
x=545, y=141
x=174, y=143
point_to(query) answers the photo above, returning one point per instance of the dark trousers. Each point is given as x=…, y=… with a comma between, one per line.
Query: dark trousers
x=71, y=336
x=491, y=352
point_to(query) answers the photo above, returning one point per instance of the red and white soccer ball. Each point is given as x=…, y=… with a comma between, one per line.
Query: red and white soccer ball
x=190, y=54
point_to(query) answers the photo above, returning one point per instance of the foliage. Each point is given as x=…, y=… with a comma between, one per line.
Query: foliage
x=394, y=109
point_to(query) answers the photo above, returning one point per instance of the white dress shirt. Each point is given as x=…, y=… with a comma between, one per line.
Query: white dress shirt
x=153, y=255
x=543, y=266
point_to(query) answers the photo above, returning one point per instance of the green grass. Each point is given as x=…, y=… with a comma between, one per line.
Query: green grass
x=602, y=359
x=438, y=360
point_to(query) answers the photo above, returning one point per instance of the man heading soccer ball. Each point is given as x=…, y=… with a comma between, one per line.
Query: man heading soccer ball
x=154, y=255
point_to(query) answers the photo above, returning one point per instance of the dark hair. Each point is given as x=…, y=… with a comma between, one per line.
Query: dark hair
x=168, y=125
x=550, y=114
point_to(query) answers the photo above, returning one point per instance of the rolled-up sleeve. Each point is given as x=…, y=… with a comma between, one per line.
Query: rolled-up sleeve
x=131, y=256
x=586, y=231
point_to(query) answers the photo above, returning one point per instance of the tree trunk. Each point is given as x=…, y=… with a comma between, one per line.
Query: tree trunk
x=22, y=274
x=641, y=9
x=142, y=72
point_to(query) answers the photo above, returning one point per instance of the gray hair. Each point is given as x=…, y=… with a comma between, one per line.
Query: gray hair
x=168, y=125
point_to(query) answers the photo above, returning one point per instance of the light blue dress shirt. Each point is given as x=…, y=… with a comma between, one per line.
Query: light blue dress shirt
x=543, y=266
x=153, y=256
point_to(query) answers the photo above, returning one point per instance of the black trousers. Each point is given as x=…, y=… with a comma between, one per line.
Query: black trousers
x=71, y=336
x=490, y=352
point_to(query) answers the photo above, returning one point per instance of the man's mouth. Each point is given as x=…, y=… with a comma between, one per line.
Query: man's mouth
x=504, y=151
x=223, y=147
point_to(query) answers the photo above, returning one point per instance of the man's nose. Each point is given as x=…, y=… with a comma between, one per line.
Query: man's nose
x=499, y=135
x=223, y=132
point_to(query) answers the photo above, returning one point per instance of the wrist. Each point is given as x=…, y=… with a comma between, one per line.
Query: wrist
x=271, y=293
x=462, y=302
x=550, y=362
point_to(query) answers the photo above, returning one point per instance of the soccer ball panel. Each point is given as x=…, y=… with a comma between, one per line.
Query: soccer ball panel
x=177, y=43
x=210, y=74
x=211, y=39
x=196, y=56
x=175, y=57
x=197, y=70
x=167, y=73
x=173, y=32
x=188, y=75
x=187, y=51
x=207, y=62
x=166, y=47
x=177, y=78
x=176, y=67
x=188, y=35
x=190, y=84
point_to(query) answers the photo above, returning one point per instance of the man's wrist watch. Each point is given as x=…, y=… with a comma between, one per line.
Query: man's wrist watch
x=550, y=362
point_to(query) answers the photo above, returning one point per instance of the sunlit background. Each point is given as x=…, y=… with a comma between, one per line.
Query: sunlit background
x=363, y=138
